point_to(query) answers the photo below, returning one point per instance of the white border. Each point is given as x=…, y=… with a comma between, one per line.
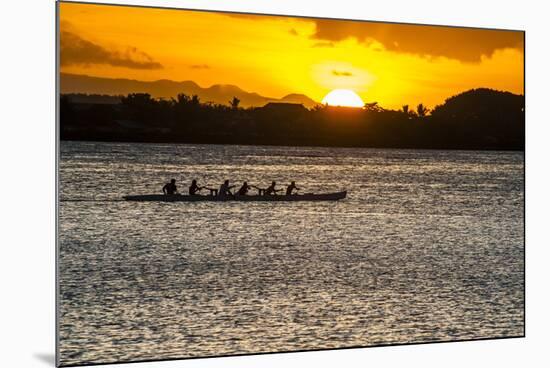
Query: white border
x=28, y=205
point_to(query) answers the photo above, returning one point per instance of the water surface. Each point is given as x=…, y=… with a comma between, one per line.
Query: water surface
x=428, y=246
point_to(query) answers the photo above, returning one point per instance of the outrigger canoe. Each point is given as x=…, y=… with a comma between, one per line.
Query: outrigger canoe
x=246, y=198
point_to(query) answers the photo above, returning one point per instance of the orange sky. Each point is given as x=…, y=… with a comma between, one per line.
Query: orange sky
x=392, y=64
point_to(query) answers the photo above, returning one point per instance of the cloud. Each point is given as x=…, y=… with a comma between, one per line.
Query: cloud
x=293, y=32
x=323, y=44
x=77, y=51
x=464, y=44
x=341, y=74
x=200, y=66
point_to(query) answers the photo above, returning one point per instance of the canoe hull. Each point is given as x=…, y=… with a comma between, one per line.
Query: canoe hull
x=248, y=198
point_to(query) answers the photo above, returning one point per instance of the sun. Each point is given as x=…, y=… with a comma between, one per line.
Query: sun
x=343, y=97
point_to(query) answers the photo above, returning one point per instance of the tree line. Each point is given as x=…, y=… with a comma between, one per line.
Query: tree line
x=476, y=119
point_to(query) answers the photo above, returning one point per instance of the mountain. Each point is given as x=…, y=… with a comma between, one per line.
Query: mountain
x=299, y=98
x=218, y=93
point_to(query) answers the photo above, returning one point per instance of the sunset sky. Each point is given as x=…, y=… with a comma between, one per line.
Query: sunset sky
x=389, y=63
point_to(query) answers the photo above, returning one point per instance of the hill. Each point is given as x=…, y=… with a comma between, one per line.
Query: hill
x=484, y=115
x=164, y=88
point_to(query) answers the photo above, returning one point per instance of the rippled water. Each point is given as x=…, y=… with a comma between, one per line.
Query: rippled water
x=428, y=246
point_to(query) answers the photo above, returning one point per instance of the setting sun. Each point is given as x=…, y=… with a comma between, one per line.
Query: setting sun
x=343, y=97
x=277, y=56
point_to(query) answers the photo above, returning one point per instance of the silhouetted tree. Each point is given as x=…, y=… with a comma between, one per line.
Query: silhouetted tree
x=67, y=112
x=195, y=100
x=140, y=107
x=183, y=99
x=480, y=119
x=422, y=110
x=488, y=117
x=234, y=103
x=319, y=107
x=373, y=106
x=405, y=110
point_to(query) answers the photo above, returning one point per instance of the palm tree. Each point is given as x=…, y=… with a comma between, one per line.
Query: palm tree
x=234, y=103
x=319, y=107
x=373, y=106
x=422, y=110
x=195, y=100
x=182, y=99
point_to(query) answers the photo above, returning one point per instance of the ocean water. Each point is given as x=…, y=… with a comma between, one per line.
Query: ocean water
x=428, y=246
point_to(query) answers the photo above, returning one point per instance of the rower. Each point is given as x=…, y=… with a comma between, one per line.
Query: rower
x=194, y=188
x=225, y=189
x=271, y=189
x=170, y=188
x=290, y=188
x=243, y=190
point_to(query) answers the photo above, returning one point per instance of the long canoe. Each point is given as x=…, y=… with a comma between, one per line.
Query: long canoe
x=246, y=198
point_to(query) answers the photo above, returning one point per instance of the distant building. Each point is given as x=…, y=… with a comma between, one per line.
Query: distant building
x=284, y=107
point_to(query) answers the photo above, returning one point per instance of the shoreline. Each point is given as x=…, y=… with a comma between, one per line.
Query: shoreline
x=200, y=142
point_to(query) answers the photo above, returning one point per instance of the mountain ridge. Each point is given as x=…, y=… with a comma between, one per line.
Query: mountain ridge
x=166, y=88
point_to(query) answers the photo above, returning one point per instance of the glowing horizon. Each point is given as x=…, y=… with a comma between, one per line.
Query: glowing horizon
x=392, y=64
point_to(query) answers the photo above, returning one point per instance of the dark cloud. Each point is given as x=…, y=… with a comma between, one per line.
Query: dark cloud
x=77, y=51
x=200, y=66
x=341, y=74
x=464, y=44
